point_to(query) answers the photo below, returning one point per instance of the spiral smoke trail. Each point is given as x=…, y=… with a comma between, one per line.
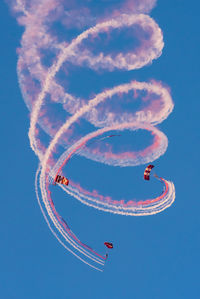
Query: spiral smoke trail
x=59, y=117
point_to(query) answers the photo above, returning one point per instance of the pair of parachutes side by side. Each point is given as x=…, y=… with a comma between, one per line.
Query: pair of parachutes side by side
x=64, y=181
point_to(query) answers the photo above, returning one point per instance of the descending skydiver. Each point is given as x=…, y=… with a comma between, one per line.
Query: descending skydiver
x=61, y=180
x=109, y=246
x=147, y=176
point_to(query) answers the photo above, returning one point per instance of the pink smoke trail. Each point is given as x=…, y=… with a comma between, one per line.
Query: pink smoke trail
x=42, y=89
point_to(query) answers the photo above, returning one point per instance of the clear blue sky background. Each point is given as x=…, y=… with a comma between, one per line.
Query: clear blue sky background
x=155, y=257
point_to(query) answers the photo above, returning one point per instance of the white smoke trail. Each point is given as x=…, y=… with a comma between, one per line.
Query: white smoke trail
x=120, y=61
x=36, y=16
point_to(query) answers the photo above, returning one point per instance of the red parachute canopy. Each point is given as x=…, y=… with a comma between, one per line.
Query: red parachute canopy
x=147, y=172
x=108, y=244
x=61, y=180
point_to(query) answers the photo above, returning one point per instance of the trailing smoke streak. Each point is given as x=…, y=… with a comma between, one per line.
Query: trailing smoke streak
x=53, y=232
x=149, y=207
x=126, y=15
x=70, y=51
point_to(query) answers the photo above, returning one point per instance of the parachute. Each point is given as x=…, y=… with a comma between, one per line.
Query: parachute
x=108, y=245
x=61, y=180
x=147, y=172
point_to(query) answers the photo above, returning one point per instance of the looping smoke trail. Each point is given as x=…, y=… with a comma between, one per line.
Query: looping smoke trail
x=58, y=114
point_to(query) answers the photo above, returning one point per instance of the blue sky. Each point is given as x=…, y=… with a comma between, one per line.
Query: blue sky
x=154, y=257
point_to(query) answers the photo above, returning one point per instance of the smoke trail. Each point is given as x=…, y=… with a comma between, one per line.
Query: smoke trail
x=60, y=118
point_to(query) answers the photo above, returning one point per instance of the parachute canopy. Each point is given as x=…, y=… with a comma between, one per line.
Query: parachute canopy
x=147, y=172
x=61, y=180
x=108, y=244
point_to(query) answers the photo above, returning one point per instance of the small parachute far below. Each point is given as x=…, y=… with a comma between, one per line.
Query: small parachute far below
x=108, y=245
x=147, y=172
x=61, y=180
